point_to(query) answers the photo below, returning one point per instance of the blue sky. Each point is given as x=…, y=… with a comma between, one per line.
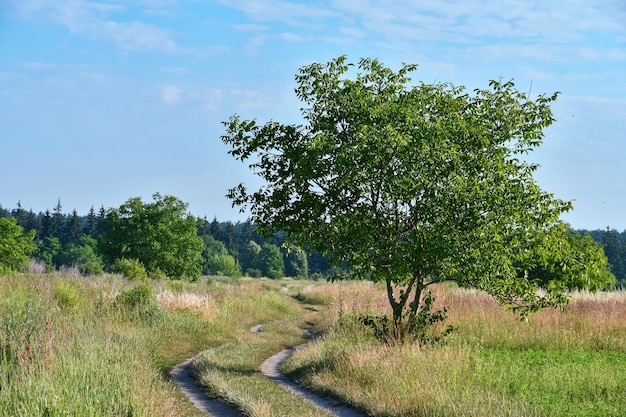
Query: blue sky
x=101, y=101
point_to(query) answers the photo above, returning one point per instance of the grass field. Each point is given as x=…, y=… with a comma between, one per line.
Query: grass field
x=563, y=364
x=103, y=346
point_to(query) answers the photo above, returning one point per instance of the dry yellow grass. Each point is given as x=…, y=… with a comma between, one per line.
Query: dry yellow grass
x=203, y=304
x=404, y=380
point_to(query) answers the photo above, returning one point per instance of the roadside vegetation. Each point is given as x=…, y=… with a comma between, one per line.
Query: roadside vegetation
x=104, y=346
x=562, y=364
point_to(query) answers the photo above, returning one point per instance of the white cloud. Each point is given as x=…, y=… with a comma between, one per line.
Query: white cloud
x=93, y=19
x=292, y=13
x=171, y=95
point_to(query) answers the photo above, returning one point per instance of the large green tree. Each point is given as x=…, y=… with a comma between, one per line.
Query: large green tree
x=161, y=235
x=16, y=246
x=405, y=184
x=565, y=258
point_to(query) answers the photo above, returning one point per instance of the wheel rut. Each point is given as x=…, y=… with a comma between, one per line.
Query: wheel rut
x=181, y=376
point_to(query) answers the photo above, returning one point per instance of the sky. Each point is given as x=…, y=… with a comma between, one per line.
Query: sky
x=102, y=101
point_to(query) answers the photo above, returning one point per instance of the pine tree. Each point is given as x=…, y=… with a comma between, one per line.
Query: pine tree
x=46, y=225
x=33, y=222
x=613, y=252
x=57, y=221
x=19, y=215
x=216, y=229
x=229, y=237
x=72, y=229
x=91, y=226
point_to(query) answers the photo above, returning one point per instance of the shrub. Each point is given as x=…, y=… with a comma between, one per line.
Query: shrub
x=139, y=296
x=67, y=295
x=254, y=273
x=131, y=268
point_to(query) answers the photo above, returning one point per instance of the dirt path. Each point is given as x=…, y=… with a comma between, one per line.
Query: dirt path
x=271, y=369
x=181, y=376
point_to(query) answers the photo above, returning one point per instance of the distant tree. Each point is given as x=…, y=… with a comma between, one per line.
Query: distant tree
x=318, y=264
x=249, y=257
x=216, y=229
x=83, y=254
x=33, y=222
x=247, y=232
x=161, y=235
x=296, y=263
x=56, y=224
x=202, y=226
x=271, y=261
x=224, y=265
x=211, y=248
x=16, y=245
x=564, y=258
x=50, y=252
x=46, y=225
x=614, y=252
x=72, y=229
x=229, y=237
x=405, y=184
x=19, y=215
x=91, y=226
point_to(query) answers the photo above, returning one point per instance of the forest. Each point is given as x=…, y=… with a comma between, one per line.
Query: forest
x=68, y=241
x=74, y=241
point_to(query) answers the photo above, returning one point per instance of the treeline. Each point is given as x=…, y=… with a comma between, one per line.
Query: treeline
x=99, y=240
x=84, y=241
x=614, y=244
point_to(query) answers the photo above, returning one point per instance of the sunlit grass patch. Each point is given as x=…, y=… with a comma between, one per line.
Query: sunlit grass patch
x=562, y=364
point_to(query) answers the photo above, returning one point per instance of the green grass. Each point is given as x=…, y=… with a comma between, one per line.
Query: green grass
x=232, y=370
x=79, y=347
x=564, y=364
x=560, y=382
x=104, y=346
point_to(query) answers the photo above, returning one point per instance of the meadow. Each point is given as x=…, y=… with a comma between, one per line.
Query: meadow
x=103, y=346
x=570, y=363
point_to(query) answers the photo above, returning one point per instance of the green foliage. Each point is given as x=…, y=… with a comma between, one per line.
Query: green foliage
x=405, y=184
x=141, y=295
x=68, y=295
x=131, y=268
x=296, y=264
x=140, y=301
x=212, y=247
x=615, y=252
x=224, y=264
x=161, y=235
x=249, y=257
x=84, y=256
x=562, y=257
x=271, y=261
x=16, y=246
x=421, y=328
x=50, y=251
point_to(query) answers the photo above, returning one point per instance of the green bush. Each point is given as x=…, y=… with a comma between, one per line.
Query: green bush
x=140, y=296
x=131, y=268
x=254, y=273
x=67, y=295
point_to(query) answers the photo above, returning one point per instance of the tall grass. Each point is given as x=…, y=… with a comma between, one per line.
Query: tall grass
x=76, y=346
x=563, y=364
x=232, y=369
x=103, y=346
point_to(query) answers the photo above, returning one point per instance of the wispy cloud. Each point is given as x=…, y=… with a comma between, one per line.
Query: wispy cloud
x=542, y=26
x=171, y=94
x=94, y=20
